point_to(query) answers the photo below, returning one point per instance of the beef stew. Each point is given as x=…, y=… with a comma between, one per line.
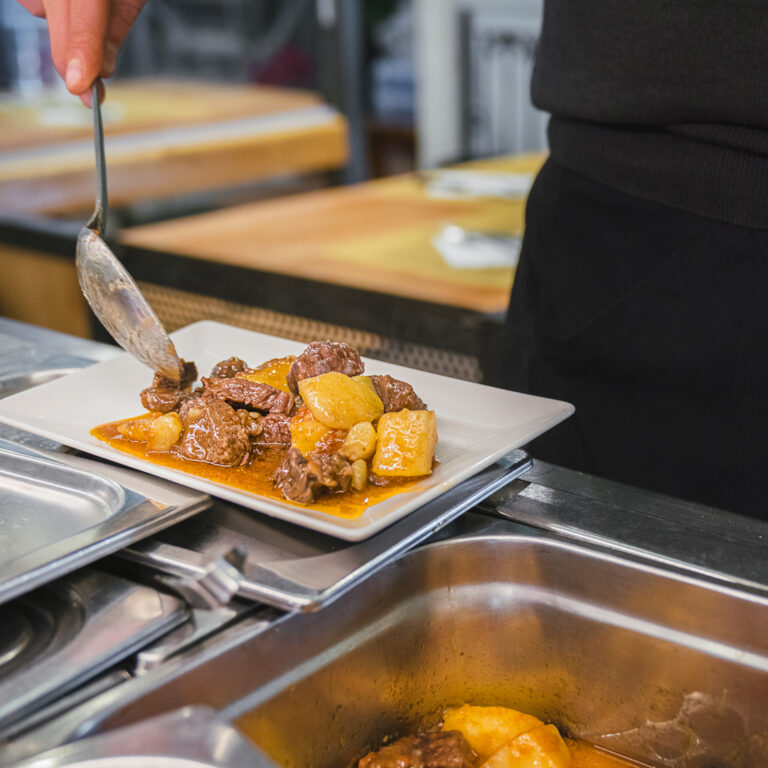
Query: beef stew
x=310, y=429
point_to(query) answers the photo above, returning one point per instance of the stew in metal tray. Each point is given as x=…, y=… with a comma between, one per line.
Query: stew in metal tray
x=489, y=737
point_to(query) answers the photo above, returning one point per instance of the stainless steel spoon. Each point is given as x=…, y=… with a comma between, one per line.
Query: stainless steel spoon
x=111, y=292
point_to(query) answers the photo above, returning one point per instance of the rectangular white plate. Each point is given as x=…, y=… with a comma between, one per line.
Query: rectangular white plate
x=476, y=425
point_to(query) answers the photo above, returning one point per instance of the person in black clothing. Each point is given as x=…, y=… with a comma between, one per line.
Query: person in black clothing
x=642, y=290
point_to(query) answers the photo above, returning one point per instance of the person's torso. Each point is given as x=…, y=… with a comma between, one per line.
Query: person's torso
x=662, y=98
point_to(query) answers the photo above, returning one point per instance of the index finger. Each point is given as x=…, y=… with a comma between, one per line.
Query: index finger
x=85, y=45
x=57, y=13
x=124, y=14
x=35, y=7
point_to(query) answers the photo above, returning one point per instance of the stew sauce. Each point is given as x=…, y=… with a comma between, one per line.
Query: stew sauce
x=256, y=477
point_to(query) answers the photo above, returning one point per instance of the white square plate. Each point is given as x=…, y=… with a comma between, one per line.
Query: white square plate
x=476, y=425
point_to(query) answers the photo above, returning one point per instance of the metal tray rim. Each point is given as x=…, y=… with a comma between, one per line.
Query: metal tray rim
x=136, y=518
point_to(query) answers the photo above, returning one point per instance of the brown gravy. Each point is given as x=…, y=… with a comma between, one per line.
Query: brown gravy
x=256, y=477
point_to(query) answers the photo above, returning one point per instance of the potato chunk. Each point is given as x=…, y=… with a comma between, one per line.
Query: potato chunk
x=340, y=401
x=360, y=442
x=541, y=747
x=306, y=431
x=274, y=372
x=158, y=431
x=164, y=432
x=359, y=474
x=487, y=729
x=136, y=429
x=406, y=444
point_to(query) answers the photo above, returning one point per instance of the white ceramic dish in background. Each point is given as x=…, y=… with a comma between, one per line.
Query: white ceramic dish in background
x=477, y=425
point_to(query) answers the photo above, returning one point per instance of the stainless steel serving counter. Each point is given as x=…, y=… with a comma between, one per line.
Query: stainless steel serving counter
x=586, y=529
x=638, y=523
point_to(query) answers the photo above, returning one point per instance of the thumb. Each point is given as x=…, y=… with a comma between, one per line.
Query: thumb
x=85, y=44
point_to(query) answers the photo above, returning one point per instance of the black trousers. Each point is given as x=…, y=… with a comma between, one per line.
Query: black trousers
x=653, y=322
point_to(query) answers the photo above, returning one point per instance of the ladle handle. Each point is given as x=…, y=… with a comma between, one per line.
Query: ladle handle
x=97, y=221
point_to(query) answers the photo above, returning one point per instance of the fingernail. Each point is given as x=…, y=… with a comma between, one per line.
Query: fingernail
x=110, y=59
x=74, y=75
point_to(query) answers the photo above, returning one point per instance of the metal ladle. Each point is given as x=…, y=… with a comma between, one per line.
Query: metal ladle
x=111, y=292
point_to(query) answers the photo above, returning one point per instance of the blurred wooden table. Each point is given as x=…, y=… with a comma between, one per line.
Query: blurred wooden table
x=162, y=139
x=375, y=236
x=359, y=257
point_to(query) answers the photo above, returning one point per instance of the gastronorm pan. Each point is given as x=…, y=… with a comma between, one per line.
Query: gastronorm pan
x=657, y=666
x=58, y=514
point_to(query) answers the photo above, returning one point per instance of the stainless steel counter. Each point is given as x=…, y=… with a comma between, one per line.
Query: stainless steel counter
x=638, y=523
x=26, y=347
x=687, y=540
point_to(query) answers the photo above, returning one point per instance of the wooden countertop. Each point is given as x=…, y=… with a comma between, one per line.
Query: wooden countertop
x=162, y=139
x=375, y=236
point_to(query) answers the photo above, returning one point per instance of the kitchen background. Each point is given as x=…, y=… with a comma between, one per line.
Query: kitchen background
x=428, y=82
x=382, y=90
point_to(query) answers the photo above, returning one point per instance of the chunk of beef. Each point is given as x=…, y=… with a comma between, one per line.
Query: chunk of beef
x=396, y=394
x=294, y=478
x=187, y=377
x=251, y=421
x=447, y=749
x=242, y=393
x=226, y=369
x=275, y=429
x=214, y=433
x=187, y=405
x=324, y=357
x=165, y=395
x=333, y=471
x=303, y=479
x=163, y=399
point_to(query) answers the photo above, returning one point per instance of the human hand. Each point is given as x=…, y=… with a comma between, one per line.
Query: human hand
x=86, y=36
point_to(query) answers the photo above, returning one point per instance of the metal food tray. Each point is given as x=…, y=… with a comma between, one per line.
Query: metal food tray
x=229, y=552
x=70, y=631
x=660, y=667
x=59, y=513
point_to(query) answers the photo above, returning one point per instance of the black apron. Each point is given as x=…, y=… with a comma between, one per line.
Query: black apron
x=653, y=322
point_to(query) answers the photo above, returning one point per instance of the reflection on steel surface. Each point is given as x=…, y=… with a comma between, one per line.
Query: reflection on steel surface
x=72, y=630
x=192, y=737
x=60, y=512
x=596, y=643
